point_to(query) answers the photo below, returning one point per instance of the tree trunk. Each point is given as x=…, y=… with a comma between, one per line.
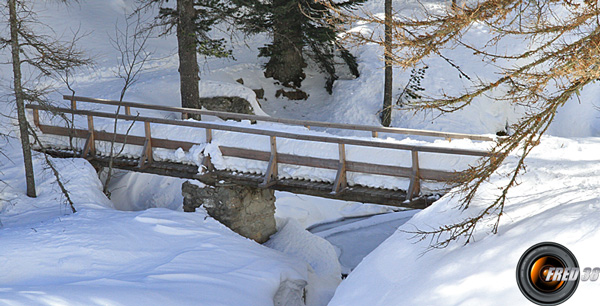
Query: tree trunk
x=386, y=112
x=188, y=62
x=23, y=125
x=286, y=62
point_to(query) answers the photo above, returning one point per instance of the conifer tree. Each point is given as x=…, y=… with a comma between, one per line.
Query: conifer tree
x=192, y=20
x=298, y=33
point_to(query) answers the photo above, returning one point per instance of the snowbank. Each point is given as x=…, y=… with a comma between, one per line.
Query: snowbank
x=324, y=271
x=557, y=200
x=102, y=256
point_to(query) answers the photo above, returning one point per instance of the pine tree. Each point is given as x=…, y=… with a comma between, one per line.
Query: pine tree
x=298, y=33
x=192, y=20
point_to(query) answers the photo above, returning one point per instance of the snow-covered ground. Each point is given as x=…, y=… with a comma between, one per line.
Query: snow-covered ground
x=103, y=256
x=119, y=252
x=557, y=200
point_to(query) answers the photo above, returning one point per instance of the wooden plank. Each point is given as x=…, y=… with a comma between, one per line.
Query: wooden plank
x=287, y=121
x=281, y=158
x=120, y=138
x=414, y=189
x=272, y=170
x=378, y=169
x=340, y=178
x=256, y=131
x=332, y=164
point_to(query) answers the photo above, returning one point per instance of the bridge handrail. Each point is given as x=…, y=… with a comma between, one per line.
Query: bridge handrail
x=307, y=123
x=273, y=133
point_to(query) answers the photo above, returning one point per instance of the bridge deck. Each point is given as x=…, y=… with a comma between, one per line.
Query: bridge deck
x=397, y=198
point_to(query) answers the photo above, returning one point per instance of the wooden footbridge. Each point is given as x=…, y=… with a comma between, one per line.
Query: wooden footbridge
x=269, y=178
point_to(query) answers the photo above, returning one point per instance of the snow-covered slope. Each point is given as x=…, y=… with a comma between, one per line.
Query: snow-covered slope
x=557, y=200
x=102, y=256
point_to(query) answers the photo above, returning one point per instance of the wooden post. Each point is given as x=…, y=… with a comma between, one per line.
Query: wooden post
x=415, y=181
x=272, y=171
x=206, y=162
x=36, y=117
x=184, y=116
x=147, y=150
x=90, y=143
x=73, y=103
x=127, y=111
x=374, y=134
x=340, y=180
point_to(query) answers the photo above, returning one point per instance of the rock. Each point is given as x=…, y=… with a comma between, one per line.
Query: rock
x=260, y=93
x=227, y=104
x=240, y=80
x=290, y=293
x=247, y=211
x=292, y=95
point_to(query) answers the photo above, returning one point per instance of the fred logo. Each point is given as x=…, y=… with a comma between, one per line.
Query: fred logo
x=548, y=273
x=554, y=274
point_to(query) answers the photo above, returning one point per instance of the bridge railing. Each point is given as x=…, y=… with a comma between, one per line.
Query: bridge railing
x=274, y=158
x=185, y=112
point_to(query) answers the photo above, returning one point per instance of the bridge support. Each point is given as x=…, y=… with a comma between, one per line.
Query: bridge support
x=248, y=211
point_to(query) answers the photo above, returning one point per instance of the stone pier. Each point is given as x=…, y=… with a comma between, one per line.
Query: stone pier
x=248, y=211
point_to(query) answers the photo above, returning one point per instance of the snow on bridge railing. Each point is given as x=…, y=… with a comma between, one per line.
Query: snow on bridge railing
x=307, y=123
x=414, y=173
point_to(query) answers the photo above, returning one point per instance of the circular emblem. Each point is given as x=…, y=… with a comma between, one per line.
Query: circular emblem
x=548, y=273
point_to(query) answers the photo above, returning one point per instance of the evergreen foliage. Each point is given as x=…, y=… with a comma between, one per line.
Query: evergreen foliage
x=207, y=14
x=298, y=30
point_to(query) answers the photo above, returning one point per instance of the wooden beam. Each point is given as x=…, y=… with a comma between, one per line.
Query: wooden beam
x=414, y=189
x=120, y=138
x=271, y=174
x=287, y=121
x=340, y=180
x=332, y=164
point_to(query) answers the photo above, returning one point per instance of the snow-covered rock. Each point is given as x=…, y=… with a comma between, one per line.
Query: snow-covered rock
x=324, y=271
